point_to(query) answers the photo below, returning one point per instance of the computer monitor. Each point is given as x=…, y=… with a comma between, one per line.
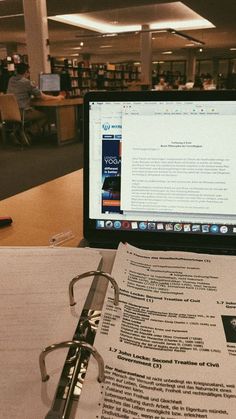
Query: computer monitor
x=49, y=82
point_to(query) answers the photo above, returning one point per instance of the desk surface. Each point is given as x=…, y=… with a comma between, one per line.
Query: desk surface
x=44, y=211
x=56, y=103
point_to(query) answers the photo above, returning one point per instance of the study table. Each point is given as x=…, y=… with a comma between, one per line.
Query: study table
x=43, y=211
x=47, y=210
x=67, y=116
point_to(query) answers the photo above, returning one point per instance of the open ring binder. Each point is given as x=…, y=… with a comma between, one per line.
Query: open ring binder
x=93, y=273
x=70, y=381
x=73, y=343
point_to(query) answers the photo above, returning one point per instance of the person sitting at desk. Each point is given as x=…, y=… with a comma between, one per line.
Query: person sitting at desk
x=162, y=85
x=23, y=89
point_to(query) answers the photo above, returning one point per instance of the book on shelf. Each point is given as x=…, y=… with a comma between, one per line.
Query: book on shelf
x=165, y=351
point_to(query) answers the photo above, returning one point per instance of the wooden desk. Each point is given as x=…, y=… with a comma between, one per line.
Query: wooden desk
x=66, y=114
x=44, y=211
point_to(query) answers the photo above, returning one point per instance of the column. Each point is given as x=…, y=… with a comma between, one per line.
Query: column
x=36, y=28
x=191, y=65
x=146, y=56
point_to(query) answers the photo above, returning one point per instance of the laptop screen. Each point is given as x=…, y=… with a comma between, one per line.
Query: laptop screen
x=161, y=163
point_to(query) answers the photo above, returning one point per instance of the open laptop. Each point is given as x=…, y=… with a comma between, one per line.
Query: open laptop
x=160, y=170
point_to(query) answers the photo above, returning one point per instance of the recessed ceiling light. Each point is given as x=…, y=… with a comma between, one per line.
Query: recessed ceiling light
x=200, y=50
x=167, y=52
x=81, y=44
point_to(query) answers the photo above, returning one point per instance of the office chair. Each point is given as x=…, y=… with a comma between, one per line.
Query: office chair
x=11, y=120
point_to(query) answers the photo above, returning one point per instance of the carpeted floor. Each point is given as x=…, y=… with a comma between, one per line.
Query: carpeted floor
x=43, y=161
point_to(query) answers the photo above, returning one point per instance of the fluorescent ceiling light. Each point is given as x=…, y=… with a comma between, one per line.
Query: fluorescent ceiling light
x=233, y=49
x=105, y=46
x=110, y=34
x=94, y=24
x=167, y=52
x=183, y=24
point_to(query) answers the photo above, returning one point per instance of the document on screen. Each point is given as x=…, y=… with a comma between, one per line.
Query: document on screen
x=177, y=162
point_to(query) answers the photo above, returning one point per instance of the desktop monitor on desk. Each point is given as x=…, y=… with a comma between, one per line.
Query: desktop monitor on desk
x=49, y=83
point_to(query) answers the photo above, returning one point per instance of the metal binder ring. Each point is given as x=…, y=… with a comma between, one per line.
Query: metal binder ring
x=93, y=273
x=73, y=343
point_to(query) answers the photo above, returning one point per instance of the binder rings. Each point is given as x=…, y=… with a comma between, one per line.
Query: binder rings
x=78, y=356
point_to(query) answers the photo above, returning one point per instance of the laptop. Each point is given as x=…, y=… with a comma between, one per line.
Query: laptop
x=160, y=170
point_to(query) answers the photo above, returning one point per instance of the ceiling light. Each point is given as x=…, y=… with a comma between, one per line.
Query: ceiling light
x=109, y=34
x=159, y=30
x=105, y=46
x=183, y=24
x=190, y=45
x=200, y=50
x=81, y=44
x=76, y=48
x=100, y=26
x=233, y=49
x=93, y=24
x=167, y=52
